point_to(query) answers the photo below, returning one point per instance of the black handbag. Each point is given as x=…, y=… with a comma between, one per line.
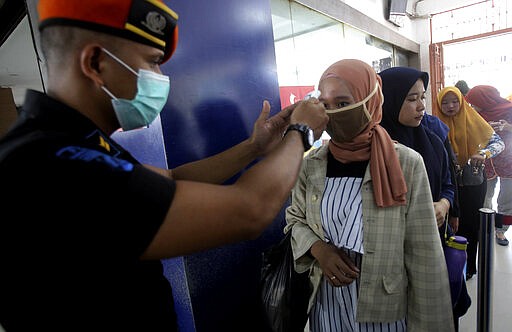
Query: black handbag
x=469, y=175
x=284, y=292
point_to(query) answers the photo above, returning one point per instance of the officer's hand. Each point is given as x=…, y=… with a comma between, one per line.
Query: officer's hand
x=312, y=113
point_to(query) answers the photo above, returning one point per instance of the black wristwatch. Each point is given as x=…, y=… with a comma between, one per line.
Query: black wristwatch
x=308, y=138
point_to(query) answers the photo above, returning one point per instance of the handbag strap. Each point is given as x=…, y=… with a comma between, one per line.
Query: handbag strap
x=446, y=228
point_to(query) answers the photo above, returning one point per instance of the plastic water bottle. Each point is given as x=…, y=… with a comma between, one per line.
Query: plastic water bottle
x=455, y=255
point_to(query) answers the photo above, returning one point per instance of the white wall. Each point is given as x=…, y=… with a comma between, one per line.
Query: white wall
x=18, y=63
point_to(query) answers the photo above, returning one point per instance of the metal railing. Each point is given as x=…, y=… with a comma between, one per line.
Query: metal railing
x=485, y=269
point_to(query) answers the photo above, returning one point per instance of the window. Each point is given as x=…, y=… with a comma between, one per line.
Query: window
x=306, y=42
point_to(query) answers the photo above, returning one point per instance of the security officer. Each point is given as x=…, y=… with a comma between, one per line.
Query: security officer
x=84, y=224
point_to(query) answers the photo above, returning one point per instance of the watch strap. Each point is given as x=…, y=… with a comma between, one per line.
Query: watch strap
x=304, y=130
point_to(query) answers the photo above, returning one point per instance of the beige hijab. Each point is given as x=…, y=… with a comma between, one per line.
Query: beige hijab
x=373, y=143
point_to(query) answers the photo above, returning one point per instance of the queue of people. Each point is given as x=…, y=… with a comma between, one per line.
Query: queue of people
x=334, y=210
x=366, y=214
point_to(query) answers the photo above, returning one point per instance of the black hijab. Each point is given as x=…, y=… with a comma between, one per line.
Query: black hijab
x=396, y=83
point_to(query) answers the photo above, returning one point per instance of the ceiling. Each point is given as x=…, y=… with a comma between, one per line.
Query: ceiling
x=11, y=12
x=19, y=68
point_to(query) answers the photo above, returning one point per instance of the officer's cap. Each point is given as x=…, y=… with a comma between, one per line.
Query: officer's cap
x=148, y=22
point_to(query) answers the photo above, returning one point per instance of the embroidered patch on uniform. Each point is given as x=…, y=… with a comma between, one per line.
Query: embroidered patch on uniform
x=97, y=138
x=104, y=144
x=88, y=155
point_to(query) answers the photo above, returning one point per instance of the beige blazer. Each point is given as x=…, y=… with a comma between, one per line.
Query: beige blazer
x=403, y=272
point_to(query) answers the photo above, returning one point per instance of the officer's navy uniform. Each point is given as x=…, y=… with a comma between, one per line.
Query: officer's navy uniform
x=93, y=211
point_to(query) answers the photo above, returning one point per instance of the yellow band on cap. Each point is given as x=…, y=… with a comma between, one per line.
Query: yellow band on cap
x=144, y=34
x=163, y=7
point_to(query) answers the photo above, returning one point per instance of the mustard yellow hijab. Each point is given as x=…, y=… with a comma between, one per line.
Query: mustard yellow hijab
x=469, y=132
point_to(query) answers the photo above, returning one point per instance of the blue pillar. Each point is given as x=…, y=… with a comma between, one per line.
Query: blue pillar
x=223, y=69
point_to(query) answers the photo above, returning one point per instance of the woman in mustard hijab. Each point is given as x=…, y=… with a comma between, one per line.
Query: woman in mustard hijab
x=473, y=140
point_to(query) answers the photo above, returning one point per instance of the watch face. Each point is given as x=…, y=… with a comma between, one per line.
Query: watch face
x=311, y=137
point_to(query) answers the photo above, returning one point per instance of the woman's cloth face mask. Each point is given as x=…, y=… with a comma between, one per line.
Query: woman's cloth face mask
x=347, y=122
x=143, y=109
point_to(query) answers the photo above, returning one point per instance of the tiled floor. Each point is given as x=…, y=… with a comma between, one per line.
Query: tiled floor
x=501, y=306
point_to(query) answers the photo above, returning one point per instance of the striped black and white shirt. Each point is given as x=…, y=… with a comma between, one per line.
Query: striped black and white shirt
x=341, y=212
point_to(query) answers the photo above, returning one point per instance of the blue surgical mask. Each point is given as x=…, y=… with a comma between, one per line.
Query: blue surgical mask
x=152, y=92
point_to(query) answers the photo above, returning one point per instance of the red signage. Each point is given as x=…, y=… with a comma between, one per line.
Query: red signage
x=292, y=94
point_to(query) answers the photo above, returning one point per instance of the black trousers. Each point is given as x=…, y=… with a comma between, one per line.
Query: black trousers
x=471, y=199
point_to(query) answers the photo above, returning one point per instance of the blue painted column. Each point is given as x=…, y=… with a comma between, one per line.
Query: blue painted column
x=223, y=69
x=147, y=145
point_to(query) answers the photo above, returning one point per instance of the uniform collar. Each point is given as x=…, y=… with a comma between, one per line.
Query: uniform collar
x=43, y=112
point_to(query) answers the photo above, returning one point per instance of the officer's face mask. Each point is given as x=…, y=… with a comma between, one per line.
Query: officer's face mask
x=152, y=92
x=347, y=122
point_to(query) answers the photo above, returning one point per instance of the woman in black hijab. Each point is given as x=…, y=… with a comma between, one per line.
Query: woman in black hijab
x=402, y=114
x=403, y=110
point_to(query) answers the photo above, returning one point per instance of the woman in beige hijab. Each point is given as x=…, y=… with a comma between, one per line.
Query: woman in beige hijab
x=362, y=219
